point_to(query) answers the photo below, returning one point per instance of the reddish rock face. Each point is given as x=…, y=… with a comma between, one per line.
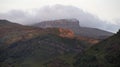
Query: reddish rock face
x=66, y=33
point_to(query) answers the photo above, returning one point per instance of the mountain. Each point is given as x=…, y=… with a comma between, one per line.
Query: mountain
x=104, y=54
x=11, y=32
x=73, y=24
x=27, y=46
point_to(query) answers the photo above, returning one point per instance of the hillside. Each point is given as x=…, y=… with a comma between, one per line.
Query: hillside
x=12, y=32
x=73, y=25
x=40, y=49
x=27, y=46
x=23, y=46
x=103, y=54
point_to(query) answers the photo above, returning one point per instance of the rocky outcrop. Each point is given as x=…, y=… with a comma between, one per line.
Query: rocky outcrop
x=60, y=32
x=63, y=23
x=66, y=33
x=73, y=24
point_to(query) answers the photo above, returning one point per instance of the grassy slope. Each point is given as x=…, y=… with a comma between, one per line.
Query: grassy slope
x=41, y=49
x=103, y=54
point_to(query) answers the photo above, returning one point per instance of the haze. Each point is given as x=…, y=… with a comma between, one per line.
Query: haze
x=102, y=14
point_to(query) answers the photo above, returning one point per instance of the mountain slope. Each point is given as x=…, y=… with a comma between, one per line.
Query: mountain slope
x=39, y=49
x=73, y=24
x=26, y=46
x=103, y=54
x=11, y=32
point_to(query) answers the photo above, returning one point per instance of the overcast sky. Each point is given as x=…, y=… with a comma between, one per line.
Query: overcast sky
x=103, y=11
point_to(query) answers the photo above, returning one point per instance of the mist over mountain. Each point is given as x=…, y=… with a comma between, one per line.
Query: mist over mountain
x=73, y=24
x=59, y=12
x=59, y=33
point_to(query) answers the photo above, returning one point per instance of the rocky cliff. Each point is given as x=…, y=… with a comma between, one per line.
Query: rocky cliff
x=74, y=25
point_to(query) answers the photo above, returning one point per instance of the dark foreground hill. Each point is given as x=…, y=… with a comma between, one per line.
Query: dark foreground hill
x=103, y=54
x=41, y=49
x=74, y=25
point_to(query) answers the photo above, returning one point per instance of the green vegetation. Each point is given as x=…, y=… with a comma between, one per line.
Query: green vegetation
x=37, y=51
x=103, y=54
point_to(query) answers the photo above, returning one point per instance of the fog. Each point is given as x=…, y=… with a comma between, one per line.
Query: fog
x=59, y=12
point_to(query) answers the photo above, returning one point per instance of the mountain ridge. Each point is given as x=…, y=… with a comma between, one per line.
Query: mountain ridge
x=74, y=26
x=20, y=45
x=12, y=32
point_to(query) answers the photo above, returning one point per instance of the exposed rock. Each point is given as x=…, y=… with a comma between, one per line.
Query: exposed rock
x=62, y=23
x=66, y=33
x=73, y=24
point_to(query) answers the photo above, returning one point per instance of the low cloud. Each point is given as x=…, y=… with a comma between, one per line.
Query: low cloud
x=59, y=12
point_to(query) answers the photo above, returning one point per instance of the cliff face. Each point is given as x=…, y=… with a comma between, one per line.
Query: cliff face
x=63, y=23
x=73, y=25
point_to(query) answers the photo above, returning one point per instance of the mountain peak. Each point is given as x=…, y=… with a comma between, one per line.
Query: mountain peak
x=62, y=23
x=4, y=21
x=70, y=20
